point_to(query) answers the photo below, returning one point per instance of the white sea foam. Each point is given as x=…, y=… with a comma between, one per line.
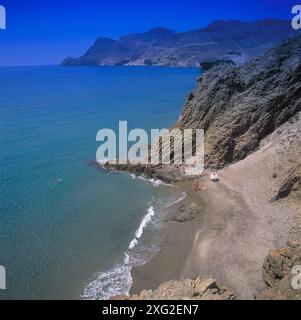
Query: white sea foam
x=133, y=243
x=139, y=232
x=154, y=182
x=145, y=221
x=183, y=196
x=117, y=280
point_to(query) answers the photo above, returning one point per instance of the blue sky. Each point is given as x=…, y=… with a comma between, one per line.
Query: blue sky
x=44, y=32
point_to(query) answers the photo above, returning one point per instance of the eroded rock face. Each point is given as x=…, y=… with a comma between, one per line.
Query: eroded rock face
x=277, y=273
x=198, y=289
x=238, y=106
x=291, y=185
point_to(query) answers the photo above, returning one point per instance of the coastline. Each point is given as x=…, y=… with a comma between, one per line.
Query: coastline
x=254, y=140
x=238, y=224
x=174, y=259
x=146, y=242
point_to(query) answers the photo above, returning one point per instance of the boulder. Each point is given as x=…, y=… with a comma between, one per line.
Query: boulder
x=291, y=184
x=198, y=289
x=278, y=273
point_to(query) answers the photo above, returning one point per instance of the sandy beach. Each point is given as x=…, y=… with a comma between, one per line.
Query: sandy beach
x=237, y=224
x=175, y=259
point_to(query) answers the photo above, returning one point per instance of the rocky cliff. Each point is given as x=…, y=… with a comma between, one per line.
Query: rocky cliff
x=238, y=106
x=232, y=40
x=278, y=273
x=291, y=185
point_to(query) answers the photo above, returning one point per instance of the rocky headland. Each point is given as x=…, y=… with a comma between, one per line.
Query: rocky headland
x=239, y=106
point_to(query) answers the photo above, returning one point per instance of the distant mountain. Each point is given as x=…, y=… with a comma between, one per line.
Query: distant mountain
x=231, y=40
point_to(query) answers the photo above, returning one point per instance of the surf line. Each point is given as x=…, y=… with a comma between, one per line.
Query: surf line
x=147, y=218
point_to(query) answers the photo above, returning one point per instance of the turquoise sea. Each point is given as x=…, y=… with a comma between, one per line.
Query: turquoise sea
x=68, y=230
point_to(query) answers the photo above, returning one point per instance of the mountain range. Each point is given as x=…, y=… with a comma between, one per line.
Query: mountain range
x=232, y=41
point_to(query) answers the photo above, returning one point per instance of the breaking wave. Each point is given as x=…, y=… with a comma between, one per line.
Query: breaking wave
x=118, y=279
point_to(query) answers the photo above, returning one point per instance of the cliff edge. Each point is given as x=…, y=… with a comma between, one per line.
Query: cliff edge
x=239, y=106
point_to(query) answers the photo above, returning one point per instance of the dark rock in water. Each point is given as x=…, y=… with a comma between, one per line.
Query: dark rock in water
x=292, y=184
x=277, y=273
x=233, y=40
x=239, y=106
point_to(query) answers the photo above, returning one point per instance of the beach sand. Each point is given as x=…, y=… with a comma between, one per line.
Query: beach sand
x=175, y=259
x=238, y=223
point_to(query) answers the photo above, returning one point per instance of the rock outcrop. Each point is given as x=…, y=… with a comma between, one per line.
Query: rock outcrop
x=239, y=106
x=185, y=212
x=198, y=289
x=166, y=174
x=207, y=65
x=291, y=185
x=232, y=40
x=278, y=273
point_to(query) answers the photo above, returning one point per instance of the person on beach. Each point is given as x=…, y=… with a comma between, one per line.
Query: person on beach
x=198, y=186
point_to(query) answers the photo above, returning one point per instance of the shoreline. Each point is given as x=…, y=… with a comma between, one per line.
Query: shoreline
x=238, y=225
x=177, y=237
x=117, y=279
